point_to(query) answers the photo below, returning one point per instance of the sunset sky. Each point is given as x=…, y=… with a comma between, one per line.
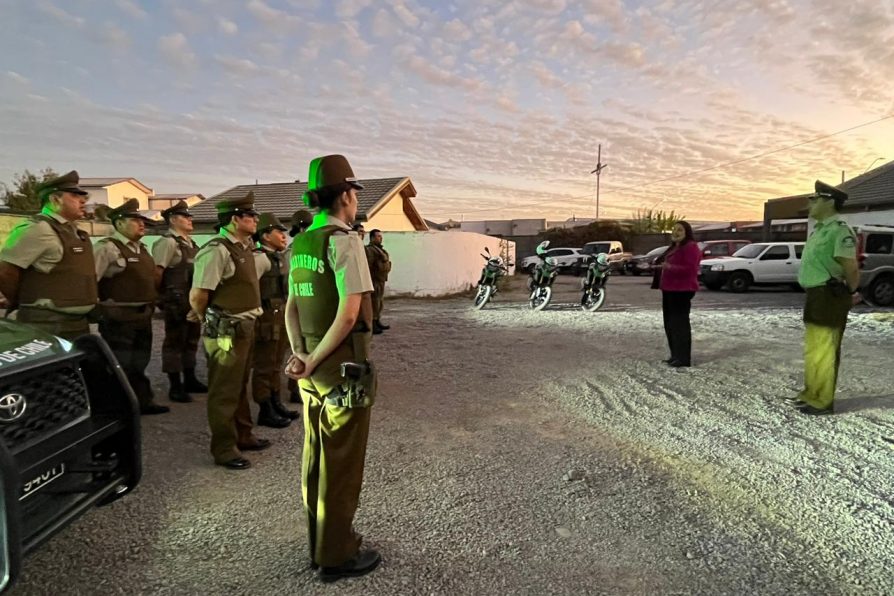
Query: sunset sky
x=494, y=108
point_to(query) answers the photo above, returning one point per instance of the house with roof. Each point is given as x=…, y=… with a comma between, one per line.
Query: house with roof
x=870, y=201
x=161, y=202
x=115, y=191
x=386, y=203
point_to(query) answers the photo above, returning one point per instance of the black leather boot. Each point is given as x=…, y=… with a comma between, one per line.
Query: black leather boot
x=281, y=409
x=177, y=393
x=268, y=416
x=191, y=384
x=360, y=564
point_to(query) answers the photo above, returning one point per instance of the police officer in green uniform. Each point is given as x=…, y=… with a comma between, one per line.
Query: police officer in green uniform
x=175, y=255
x=271, y=341
x=329, y=319
x=830, y=275
x=301, y=220
x=379, y=268
x=226, y=296
x=128, y=282
x=47, y=270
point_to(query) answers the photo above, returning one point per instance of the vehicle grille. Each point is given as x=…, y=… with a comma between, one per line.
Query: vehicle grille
x=54, y=398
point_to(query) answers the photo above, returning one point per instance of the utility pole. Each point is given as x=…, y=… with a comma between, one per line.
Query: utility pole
x=598, y=171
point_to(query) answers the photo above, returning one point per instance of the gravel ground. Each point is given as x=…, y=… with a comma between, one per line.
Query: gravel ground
x=541, y=453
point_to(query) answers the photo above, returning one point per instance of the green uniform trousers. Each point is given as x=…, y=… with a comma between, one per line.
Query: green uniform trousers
x=271, y=345
x=68, y=327
x=378, y=299
x=825, y=317
x=229, y=413
x=131, y=342
x=332, y=464
x=178, y=351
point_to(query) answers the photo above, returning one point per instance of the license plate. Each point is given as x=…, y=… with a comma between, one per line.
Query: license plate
x=35, y=484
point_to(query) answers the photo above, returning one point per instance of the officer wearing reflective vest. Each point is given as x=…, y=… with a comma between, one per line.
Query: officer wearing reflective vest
x=301, y=220
x=128, y=288
x=830, y=276
x=175, y=255
x=329, y=319
x=226, y=296
x=271, y=341
x=47, y=270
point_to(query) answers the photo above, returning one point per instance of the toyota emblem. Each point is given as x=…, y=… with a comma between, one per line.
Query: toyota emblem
x=12, y=406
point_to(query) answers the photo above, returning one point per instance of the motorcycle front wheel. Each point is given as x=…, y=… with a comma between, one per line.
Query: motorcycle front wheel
x=483, y=296
x=540, y=297
x=593, y=300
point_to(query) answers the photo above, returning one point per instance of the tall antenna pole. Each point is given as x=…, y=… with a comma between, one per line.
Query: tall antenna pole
x=598, y=171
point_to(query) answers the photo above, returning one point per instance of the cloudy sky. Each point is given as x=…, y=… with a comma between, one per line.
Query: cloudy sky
x=494, y=108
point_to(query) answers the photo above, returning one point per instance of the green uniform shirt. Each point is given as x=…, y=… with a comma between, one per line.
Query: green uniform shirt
x=346, y=257
x=165, y=251
x=214, y=265
x=36, y=245
x=831, y=238
x=109, y=260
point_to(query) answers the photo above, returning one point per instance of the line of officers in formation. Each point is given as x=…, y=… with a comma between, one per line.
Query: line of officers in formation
x=250, y=305
x=56, y=280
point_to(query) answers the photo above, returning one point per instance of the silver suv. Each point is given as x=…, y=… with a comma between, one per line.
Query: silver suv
x=875, y=252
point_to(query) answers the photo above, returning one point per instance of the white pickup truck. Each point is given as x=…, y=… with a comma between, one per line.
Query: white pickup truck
x=565, y=258
x=764, y=263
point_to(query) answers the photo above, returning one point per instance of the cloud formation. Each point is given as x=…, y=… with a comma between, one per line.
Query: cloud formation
x=495, y=108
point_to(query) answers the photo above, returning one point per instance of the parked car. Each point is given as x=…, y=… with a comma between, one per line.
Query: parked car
x=875, y=253
x=712, y=249
x=566, y=258
x=766, y=263
x=644, y=264
x=69, y=437
x=617, y=258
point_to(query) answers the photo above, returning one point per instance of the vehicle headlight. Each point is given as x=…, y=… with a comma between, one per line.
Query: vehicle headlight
x=717, y=267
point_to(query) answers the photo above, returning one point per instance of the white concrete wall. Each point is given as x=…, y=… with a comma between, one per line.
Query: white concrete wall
x=438, y=263
x=428, y=263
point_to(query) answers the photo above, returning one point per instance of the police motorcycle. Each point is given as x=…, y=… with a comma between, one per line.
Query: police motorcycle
x=542, y=277
x=493, y=270
x=593, y=284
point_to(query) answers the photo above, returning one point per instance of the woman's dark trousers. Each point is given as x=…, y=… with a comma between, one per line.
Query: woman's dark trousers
x=676, y=306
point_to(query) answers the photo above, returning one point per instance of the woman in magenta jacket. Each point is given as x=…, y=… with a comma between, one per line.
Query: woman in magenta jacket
x=679, y=283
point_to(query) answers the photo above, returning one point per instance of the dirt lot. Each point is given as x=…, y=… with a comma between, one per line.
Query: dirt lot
x=542, y=453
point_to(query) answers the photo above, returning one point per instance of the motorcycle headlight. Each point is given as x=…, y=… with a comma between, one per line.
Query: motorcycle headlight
x=717, y=267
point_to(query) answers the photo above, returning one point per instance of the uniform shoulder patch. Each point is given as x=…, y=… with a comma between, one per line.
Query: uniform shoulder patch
x=848, y=241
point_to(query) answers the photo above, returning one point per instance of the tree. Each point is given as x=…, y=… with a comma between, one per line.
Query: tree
x=24, y=197
x=604, y=229
x=647, y=221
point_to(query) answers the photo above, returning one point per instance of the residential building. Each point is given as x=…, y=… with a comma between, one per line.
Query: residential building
x=385, y=203
x=115, y=191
